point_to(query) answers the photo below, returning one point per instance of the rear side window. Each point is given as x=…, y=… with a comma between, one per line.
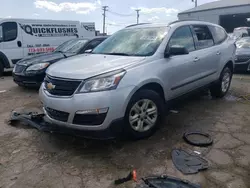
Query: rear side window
x=9, y=31
x=219, y=34
x=203, y=37
x=182, y=37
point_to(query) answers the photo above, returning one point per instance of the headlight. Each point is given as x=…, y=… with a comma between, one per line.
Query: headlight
x=235, y=57
x=103, y=82
x=38, y=66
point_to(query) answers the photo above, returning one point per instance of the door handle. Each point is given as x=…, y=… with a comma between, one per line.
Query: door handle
x=196, y=59
x=19, y=43
x=218, y=53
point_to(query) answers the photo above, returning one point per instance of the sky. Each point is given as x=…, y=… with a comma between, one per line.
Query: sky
x=120, y=12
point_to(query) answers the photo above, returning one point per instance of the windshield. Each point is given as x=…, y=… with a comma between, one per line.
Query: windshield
x=133, y=42
x=243, y=43
x=71, y=46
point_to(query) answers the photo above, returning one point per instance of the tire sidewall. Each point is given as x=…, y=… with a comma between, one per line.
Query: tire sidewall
x=225, y=70
x=1, y=69
x=159, y=102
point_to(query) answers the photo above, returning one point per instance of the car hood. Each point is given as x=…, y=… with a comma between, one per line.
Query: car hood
x=47, y=57
x=88, y=65
x=243, y=51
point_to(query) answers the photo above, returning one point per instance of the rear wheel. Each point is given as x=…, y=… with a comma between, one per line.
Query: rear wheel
x=143, y=114
x=221, y=88
x=1, y=69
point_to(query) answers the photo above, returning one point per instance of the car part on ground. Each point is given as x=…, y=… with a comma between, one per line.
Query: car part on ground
x=40, y=121
x=165, y=181
x=131, y=176
x=187, y=163
x=198, y=139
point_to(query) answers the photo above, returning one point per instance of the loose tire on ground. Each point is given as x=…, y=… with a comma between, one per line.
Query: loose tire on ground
x=218, y=89
x=145, y=114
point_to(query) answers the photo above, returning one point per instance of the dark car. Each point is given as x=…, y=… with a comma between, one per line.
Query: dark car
x=30, y=71
x=242, y=56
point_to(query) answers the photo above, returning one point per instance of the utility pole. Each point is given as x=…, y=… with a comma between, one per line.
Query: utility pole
x=104, y=8
x=138, y=15
x=196, y=2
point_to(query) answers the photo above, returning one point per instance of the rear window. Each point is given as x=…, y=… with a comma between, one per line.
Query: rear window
x=219, y=34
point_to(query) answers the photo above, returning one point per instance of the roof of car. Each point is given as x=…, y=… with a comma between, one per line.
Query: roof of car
x=217, y=5
x=179, y=22
x=91, y=38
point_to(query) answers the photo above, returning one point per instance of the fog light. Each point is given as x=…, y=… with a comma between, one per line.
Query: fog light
x=93, y=111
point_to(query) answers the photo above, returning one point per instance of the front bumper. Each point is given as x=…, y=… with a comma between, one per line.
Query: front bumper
x=115, y=100
x=35, y=79
x=242, y=66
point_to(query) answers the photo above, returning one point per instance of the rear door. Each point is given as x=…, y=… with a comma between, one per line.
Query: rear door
x=206, y=64
x=11, y=44
x=221, y=47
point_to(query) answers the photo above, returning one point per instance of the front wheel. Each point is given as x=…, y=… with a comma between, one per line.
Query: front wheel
x=143, y=114
x=221, y=88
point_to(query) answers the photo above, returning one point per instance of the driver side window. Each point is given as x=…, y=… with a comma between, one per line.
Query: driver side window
x=182, y=37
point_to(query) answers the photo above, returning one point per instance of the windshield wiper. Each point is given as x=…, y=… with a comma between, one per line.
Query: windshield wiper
x=114, y=53
x=62, y=53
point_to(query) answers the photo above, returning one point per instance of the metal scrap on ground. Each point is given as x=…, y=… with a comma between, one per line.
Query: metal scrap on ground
x=187, y=163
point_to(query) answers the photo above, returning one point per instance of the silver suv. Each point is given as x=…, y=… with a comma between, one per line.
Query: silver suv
x=124, y=84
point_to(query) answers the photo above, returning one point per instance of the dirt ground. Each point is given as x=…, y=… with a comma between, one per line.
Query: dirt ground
x=29, y=158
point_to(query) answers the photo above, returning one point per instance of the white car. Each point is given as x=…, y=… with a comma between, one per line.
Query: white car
x=20, y=38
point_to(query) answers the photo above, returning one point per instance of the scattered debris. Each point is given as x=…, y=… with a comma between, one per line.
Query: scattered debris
x=187, y=163
x=3, y=91
x=12, y=179
x=198, y=139
x=166, y=181
x=131, y=176
x=16, y=151
x=174, y=111
x=197, y=152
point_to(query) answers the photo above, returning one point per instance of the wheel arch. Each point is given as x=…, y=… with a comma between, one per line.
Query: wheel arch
x=4, y=60
x=153, y=84
x=230, y=65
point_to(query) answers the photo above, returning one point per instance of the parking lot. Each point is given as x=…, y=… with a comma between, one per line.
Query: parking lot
x=29, y=158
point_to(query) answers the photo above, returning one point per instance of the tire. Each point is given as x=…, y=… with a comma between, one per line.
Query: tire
x=218, y=89
x=1, y=69
x=154, y=102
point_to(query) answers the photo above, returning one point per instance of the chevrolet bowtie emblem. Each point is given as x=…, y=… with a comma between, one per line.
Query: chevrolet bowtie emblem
x=50, y=86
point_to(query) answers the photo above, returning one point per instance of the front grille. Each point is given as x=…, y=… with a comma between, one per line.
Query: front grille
x=57, y=115
x=242, y=58
x=59, y=87
x=19, y=68
x=89, y=119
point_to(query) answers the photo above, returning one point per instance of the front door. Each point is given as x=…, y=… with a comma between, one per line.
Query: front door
x=181, y=72
x=11, y=44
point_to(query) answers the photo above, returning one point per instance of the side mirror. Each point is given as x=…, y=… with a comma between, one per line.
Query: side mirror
x=88, y=51
x=176, y=50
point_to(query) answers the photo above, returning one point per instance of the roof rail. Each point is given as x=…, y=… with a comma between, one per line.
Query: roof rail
x=136, y=24
x=177, y=21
